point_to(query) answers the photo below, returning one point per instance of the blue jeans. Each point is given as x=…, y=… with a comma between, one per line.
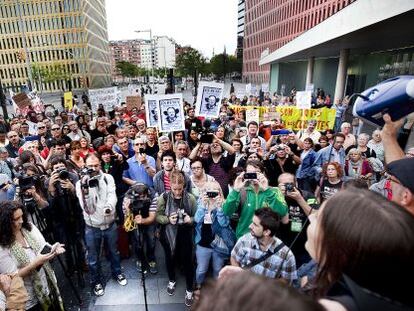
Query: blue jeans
x=204, y=255
x=93, y=237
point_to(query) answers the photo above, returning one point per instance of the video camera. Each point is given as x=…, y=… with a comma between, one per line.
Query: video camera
x=26, y=183
x=140, y=200
x=206, y=133
x=93, y=175
x=63, y=173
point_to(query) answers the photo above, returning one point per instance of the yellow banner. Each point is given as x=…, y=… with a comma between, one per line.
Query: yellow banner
x=67, y=97
x=294, y=118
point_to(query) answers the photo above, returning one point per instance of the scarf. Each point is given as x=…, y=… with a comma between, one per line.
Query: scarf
x=23, y=260
x=170, y=208
x=354, y=169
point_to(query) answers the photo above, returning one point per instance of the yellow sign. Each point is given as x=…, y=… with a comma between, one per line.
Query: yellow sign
x=67, y=96
x=294, y=118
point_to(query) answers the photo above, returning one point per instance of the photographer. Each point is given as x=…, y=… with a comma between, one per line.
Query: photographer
x=64, y=213
x=300, y=205
x=140, y=207
x=175, y=212
x=97, y=197
x=251, y=191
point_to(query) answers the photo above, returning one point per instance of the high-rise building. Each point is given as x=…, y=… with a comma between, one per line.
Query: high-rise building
x=124, y=50
x=270, y=24
x=66, y=36
x=164, y=52
x=241, y=10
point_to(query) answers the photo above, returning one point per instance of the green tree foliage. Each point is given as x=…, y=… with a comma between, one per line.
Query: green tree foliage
x=127, y=69
x=55, y=72
x=188, y=62
x=223, y=64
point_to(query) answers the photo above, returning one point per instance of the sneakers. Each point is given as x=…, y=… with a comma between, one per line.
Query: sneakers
x=98, y=290
x=153, y=267
x=188, y=298
x=120, y=278
x=171, y=288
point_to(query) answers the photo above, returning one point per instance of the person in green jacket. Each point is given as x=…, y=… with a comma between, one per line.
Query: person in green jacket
x=250, y=194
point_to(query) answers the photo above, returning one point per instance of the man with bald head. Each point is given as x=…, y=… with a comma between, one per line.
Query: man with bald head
x=14, y=144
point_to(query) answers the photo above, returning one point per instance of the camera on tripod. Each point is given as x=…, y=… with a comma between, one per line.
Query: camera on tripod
x=140, y=201
x=26, y=183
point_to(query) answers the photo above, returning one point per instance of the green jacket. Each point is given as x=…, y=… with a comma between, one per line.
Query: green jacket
x=272, y=197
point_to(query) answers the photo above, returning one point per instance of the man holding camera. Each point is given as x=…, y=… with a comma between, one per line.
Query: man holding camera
x=97, y=197
x=140, y=207
x=300, y=205
x=141, y=166
x=65, y=214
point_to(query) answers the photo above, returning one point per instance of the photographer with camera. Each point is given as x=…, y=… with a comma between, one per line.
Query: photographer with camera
x=175, y=212
x=96, y=193
x=140, y=207
x=300, y=205
x=251, y=191
x=64, y=213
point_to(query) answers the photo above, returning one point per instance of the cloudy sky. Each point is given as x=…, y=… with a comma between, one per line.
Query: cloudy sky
x=205, y=25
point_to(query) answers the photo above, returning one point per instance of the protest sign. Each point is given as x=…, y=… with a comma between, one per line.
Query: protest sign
x=303, y=99
x=133, y=102
x=151, y=110
x=265, y=87
x=107, y=97
x=171, y=112
x=209, y=97
x=68, y=100
x=294, y=118
x=22, y=100
x=252, y=115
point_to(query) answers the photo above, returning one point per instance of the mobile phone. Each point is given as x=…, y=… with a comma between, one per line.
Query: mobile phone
x=141, y=150
x=212, y=194
x=252, y=150
x=250, y=175
x=46, y=249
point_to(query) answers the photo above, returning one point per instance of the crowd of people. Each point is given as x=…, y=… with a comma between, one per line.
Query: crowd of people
x=328, y=214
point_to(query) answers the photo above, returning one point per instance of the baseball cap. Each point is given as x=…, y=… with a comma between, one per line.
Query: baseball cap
x=403, y=170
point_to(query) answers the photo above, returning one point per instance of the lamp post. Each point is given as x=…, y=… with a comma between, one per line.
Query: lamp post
x=152, y=54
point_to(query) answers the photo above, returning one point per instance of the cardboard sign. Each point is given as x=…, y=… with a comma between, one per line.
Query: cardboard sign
x=252, y=115
x=22, y=100
x=67, y=97
x=133, y=102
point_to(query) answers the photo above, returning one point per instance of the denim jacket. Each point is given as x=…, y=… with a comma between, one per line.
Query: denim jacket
x=324, y=156
x=220, y=227
x=306, y=168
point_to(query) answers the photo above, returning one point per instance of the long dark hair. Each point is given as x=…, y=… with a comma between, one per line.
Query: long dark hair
x=369, y=239
x=7, y=209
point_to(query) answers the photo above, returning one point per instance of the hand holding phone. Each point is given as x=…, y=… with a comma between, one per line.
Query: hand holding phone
x=250, y=175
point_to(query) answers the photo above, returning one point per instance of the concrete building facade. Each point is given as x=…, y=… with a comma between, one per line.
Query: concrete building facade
x=68, y=34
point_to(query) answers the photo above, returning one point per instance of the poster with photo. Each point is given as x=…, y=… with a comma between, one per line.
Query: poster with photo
x=209, y=97
x=171, y=113
x=151, y=110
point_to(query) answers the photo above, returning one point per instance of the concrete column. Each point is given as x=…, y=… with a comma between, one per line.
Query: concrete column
x=341, y=75
x=309, y=71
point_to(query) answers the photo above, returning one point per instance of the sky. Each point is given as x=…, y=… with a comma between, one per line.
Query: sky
x=202, y=24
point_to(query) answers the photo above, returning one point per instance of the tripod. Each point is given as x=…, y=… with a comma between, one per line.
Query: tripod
x=38, y=218
x=141, y=245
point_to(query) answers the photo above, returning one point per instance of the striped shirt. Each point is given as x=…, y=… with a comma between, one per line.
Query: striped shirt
x=283, y=262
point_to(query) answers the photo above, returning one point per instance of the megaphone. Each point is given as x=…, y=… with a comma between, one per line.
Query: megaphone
x=394, y=96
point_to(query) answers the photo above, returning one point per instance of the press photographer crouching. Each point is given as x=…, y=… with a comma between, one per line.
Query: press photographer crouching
x=96, y=193
x=140, y=207
x=64, y=213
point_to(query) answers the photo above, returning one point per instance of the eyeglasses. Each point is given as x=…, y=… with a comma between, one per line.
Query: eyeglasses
x=56, y=129
x=41, y=127
x=196, y=168
x=139, y=144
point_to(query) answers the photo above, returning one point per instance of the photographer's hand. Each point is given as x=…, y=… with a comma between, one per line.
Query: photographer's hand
x=294, y=194
x=66, y=184
x=187, y=219
x=173, y=218
x=239, y=182
x=138, y=219
x=263, y=182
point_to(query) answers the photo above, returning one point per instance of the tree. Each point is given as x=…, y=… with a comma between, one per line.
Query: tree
x=56, y=72
x=189, y=62
x=223, y=64
x=127, y=69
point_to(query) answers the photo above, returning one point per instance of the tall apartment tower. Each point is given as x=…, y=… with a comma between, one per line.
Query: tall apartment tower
x=68, y=34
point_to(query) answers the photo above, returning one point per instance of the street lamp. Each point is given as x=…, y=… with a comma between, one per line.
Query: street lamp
x=152, y=55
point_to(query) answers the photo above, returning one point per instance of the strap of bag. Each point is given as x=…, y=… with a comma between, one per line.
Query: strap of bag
x=263, y=257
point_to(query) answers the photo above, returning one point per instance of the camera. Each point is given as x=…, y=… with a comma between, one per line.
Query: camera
x=139, y=205
x=63, y=173
x=181, y=215
x=289, y=187
x=206, y=133
x=212, y=193
x=93, y=177
x=107, y=211
x=141, y=150
x=250, y=175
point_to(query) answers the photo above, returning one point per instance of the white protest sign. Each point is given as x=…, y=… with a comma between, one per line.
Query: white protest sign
x=303, y=99
x=107, y=97
x=171, y=112
x=252, y=115
x=310, y=87
x=209, y=97
x=152, y=112
x=248, y=89
x=265, y=87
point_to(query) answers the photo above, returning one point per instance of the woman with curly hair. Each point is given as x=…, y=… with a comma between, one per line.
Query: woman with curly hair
x=21, y=248
x=331, y=181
